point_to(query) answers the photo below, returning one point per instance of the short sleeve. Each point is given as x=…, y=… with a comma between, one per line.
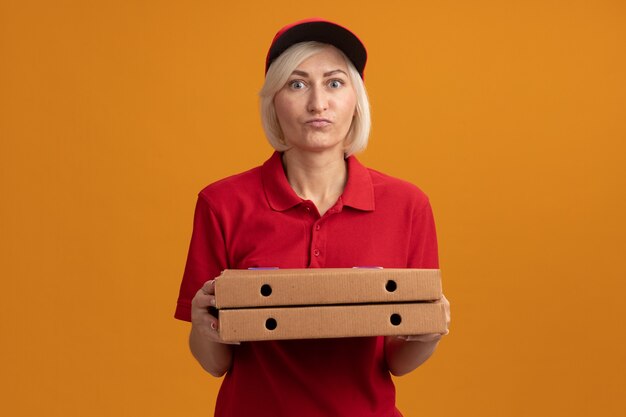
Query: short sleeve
x=423, y=252
x=206, y=258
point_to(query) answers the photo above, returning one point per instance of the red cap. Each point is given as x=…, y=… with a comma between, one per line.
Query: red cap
x=319, y=30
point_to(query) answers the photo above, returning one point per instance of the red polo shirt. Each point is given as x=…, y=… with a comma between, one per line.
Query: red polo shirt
x=255, y=219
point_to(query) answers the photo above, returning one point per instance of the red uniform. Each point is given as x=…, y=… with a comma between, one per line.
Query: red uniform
x=255, y=219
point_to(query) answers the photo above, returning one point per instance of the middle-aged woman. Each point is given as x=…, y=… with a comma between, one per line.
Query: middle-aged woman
x=310, y=205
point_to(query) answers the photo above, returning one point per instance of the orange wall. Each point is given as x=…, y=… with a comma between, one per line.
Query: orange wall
x=509, y=114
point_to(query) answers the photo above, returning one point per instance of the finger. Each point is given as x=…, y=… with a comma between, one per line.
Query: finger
x=202, y=300
x=424, y=338
x=209, y=287
x=446, y=307
x=215, y=328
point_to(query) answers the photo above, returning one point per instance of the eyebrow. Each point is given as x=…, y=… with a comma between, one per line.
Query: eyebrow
x=326, y=74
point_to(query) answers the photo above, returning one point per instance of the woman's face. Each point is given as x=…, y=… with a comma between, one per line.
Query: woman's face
x=316, y=106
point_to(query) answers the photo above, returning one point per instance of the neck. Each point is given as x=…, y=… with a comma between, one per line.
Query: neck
x=319, y=177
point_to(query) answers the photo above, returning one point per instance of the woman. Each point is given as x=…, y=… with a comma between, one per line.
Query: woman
x=311, y=205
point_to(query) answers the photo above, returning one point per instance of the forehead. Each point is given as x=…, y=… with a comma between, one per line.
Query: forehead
x=327, y=59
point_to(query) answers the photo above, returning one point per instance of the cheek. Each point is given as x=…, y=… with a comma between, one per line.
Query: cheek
x=349, y=111
x=348, y=105
x=283, y=111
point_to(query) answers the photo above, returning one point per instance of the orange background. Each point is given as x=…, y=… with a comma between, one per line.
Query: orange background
x=510, y=115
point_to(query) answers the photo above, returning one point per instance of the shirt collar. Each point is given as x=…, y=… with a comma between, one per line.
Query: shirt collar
x=358, y=194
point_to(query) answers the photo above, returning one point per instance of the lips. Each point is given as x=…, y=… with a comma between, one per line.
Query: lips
x=318, y=122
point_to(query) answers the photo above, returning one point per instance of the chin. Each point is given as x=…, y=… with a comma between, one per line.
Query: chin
x=320, y=147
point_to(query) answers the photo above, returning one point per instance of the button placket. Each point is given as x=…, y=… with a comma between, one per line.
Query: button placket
x=316, y=238
x=318, y=242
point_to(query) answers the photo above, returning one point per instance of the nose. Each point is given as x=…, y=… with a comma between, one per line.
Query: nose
x=318, y=102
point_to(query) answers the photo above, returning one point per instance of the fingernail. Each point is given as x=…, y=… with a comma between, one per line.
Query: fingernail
x=212, y=302
x=213, y=326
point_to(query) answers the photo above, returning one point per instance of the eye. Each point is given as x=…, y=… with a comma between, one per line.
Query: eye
x=335, y=83
x=296, y=84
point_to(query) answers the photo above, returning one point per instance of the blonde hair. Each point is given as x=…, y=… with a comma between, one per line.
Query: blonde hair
x=278, y=74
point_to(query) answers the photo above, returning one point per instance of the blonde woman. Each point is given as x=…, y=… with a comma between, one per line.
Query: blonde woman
x=310, y=205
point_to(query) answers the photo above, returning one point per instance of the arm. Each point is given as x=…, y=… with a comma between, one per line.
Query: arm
x=405, y=353
x=207, y=257
x=204, y=342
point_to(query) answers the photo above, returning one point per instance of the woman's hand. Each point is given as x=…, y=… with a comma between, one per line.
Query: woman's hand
x=432, y=337
x=212, y=353
x=202, y=320
x=403, y=355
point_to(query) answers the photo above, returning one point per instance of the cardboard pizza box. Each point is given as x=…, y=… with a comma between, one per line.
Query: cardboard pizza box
x=293, y=287
x=312, y=322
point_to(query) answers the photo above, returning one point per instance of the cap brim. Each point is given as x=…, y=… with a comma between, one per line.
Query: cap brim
x=324, y=32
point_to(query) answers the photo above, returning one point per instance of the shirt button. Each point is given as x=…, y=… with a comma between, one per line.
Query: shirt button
x=318, y=227
x=316, y=252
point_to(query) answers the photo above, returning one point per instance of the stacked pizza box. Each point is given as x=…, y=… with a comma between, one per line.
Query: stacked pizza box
x=273, y=304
